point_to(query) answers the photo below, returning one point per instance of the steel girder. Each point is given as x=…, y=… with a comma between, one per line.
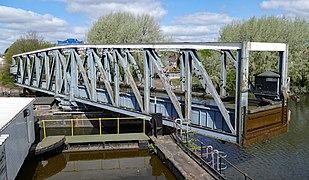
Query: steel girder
x=75, y=72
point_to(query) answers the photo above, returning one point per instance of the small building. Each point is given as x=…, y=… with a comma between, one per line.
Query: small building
x=16, y=134
x=267, y=85
x=44, y=103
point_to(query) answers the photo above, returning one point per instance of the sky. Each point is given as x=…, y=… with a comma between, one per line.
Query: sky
x=183, y=20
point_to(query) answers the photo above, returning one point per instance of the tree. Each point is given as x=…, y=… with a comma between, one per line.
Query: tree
x=125, y=28
x=29, y=42
x=294, y=31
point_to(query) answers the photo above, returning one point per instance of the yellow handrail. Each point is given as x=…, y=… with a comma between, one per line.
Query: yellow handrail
x=93, y=119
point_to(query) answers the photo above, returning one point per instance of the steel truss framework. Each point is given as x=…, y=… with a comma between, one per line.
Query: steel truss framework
x=90, y=74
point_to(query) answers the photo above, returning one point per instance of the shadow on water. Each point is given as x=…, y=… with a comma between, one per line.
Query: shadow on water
x=282, y=157
x=134, y=164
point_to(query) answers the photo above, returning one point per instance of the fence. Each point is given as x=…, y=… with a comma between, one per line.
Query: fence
x=74, y=121
x=208, y=157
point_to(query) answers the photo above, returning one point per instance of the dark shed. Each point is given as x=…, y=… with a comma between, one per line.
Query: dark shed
x=267, y=85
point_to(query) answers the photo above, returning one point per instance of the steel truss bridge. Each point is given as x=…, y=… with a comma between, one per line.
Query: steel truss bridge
x=109, y=77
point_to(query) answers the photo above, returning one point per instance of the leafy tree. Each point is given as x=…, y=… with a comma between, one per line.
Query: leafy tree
x=29, y=42
x=125, y=28
x=294, y=31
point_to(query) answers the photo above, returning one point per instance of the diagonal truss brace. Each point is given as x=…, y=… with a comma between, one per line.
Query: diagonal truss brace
x=81, y=68
x=130, y=78
x=134, y=64
x=104, y=75
x=162, y=74
x=204, y=75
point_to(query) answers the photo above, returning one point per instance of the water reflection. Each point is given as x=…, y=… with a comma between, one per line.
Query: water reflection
x=282, y=157
x=96, y=165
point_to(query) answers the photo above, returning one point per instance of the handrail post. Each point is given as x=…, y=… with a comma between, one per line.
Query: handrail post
x=220, y=162
x=118, y=125
x=100, y=124
x=72, y=128
x=144, y=119
x=44, y=130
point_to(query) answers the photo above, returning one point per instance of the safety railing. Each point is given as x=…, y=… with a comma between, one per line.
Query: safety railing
x=213, y=158
x=100, y=120
x=208, y=157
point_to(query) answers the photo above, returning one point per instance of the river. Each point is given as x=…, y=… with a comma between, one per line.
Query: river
x=282, y=157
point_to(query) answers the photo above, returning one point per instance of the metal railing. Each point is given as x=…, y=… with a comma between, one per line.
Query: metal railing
x=208, y=157
x=74, y=121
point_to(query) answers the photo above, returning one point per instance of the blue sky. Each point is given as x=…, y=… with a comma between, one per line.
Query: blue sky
x=184, y=20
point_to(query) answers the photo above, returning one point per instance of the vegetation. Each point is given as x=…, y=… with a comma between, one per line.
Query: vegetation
x=29, y=42
x=295, y=32
x=125, y=28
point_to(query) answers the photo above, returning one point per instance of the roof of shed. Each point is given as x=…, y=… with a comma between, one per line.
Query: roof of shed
x=268, y=74
x=10, y=107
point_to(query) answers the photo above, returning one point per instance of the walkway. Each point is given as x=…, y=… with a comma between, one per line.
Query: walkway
x=183, y=166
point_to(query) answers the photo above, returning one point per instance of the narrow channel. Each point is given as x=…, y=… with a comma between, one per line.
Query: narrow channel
x=133, y=164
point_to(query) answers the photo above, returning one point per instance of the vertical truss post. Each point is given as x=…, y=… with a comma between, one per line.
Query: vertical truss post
x=152, y=74
x=27, y=68
x=223, y=75
x=126, y=65
x=20, y=69
x=47, y=75
x=283, y=66
x=74, y=77
x=92, y=75
x=147, y=61
x=106, y=63
x=182, y=72
x=188, y=86
x=59, y=79
x=37, y=69
x=242, y=78
x=32, y=71
x=42, y=69
x=116, y=79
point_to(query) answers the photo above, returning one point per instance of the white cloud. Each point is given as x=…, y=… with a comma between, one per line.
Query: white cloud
x=192, y=33
x=293, y=7
x=13, y=18
x=200, y=26
x=16, y=22
x=204, y=18
x=97, y=8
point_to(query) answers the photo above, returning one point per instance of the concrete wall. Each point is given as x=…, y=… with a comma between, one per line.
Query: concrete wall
x=21, y=136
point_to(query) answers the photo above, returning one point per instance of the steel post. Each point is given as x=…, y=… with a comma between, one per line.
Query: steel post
x=188, y=86
x=116, y=79
x=146, y=81
x=223, y=75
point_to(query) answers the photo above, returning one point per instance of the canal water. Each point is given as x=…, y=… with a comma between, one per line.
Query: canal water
x=282, y=157
x=134, y=164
